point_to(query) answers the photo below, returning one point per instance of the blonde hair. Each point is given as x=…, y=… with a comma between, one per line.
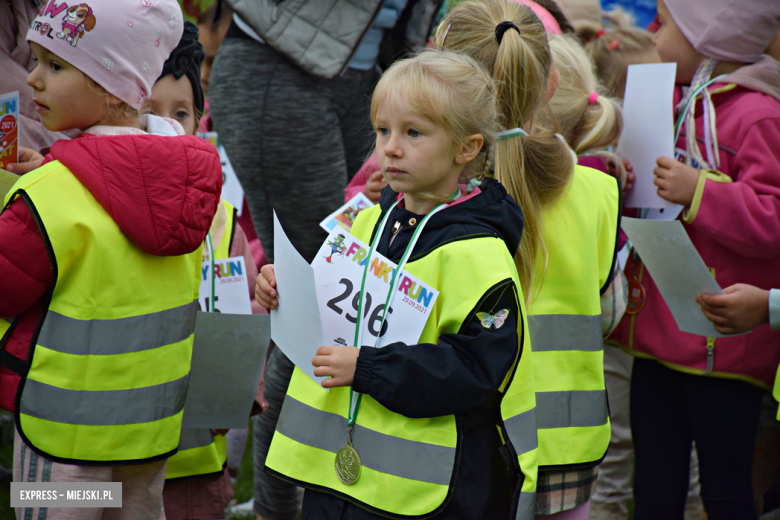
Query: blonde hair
x=122, y=114
x=586, y=126
x=620, y=45
x=535, y=169
x=451, y=90
x=584, y=16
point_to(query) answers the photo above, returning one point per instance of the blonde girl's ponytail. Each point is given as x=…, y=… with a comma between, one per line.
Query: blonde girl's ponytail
x=589, y=120
x=535, y=168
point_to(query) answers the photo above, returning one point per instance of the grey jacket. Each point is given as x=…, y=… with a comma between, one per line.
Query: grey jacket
x=320, y=36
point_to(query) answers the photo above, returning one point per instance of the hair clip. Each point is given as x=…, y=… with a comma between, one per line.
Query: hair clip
x=593, y=97
x=508, y=134
x=503, y=27
x=444, y=36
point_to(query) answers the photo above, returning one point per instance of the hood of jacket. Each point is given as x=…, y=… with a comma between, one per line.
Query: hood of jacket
x=762, y=76
x=493, y=212
x=161, y=191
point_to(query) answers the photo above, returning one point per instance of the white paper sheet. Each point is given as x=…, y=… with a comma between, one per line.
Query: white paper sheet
x=296, y=327
x=677, y=270
x=227, y=359
x=648, y=132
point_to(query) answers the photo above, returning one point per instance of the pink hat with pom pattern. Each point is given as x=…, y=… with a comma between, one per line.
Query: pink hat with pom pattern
x=121, y=44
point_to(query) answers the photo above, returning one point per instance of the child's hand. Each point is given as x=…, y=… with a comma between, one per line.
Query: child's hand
x=630, y=177
x=29, y=160
x=742, y=308
x=374, y=186
x=337, y=362
x=676, y=182
x=265, y=292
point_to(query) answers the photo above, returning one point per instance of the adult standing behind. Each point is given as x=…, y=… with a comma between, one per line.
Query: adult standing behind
x=296, y=131
x=16, y=62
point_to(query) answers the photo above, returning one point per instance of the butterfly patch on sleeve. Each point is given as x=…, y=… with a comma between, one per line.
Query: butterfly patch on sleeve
x=496, y=320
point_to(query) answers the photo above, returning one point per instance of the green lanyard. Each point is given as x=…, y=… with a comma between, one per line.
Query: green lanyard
x=394, y=281
x=213, y=276
x=692, y=99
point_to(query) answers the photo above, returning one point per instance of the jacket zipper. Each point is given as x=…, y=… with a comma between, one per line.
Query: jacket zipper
x=710, y=354
x=396, y=229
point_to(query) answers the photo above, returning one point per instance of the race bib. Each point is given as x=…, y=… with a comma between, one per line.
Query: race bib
x=231, y=292
x=338, y=273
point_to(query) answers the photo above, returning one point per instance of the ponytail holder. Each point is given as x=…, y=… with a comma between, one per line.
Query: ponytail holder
x=502, y=28
x=473, y=183
x=601, y=32
x=508, y=134
x=593, y=97
x=444, y=36
x=614, y=43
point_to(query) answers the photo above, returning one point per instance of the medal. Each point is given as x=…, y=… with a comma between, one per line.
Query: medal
x=348, y=463
x=636, y=297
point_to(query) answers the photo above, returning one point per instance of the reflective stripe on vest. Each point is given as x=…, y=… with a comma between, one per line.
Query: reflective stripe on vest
x=109, y=369
x=201, y=453
x=580, y=232
x=407, y=463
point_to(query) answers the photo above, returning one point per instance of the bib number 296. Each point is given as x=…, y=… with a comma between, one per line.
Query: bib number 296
x=375, y=313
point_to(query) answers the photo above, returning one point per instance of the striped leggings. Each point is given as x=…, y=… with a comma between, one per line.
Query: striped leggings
x=142, y=487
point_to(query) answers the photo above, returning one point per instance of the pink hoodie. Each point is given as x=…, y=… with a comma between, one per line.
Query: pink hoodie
x=735, y=228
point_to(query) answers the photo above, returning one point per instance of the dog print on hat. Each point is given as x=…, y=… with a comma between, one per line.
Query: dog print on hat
x=78, y=20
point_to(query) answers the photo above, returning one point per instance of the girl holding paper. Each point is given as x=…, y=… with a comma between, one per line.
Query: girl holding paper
x=689, y=388
x=418, y=431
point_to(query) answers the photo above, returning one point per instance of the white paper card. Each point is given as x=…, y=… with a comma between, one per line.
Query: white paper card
x=296, y=327
x=648, y=132
x=677, y=270
x=231, y=187
x=345, y=216
x=231, y=290
x=338, y=271
x=227, y=359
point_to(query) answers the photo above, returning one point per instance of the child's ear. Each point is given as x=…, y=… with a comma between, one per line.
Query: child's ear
x=470, y=150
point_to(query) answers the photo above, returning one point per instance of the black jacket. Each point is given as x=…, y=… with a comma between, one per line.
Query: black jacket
x=461, y=375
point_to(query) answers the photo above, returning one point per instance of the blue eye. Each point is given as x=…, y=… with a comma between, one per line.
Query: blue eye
x=414, y=133
x=382, y=131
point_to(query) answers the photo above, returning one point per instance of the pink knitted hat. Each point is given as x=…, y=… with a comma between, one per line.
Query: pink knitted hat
x=729, y=30
x=120, y=44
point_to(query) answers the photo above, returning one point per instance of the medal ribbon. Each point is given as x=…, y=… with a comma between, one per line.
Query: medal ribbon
x=353, y=413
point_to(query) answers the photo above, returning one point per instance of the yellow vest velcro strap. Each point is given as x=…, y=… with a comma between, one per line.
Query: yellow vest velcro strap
x=380, y=452
x=575, y=408
x=194, y=438
x=526, y=506
x=522, y=431
x=99, y=408
x=99, y=337
x=552, y=332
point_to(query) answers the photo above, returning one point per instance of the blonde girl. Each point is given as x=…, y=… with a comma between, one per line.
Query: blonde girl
x=567, y=254
x=589, y=119
x=424, y=439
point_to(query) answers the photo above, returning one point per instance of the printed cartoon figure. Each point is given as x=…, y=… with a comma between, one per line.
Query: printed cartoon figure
x=78, y=20
x=337, y=247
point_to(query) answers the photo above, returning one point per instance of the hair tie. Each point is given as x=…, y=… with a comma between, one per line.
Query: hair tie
x=444, y=36
x=503, y=27
x=593, y=97
x=601, y=32
x=614, y=43
x=508, y=134
x=473, y=183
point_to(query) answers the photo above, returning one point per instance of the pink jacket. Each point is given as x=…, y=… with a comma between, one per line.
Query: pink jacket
x=734, y=222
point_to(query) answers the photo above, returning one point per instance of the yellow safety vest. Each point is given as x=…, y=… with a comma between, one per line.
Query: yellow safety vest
x=408, y=464
x=109, y=367
x=580, y=234
x=200, y=453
